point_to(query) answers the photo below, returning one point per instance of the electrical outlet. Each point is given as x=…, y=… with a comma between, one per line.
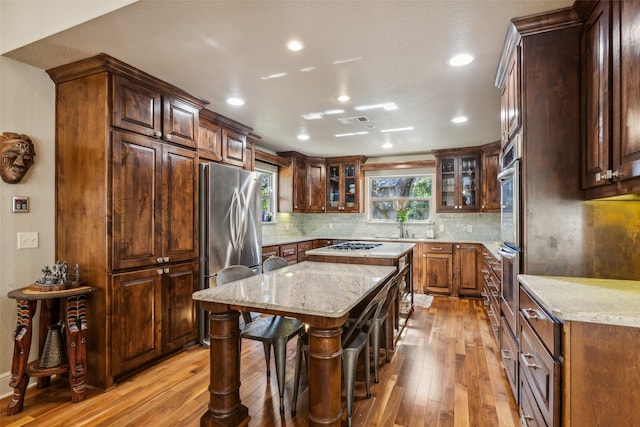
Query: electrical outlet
x=287, y=226
x=28, y=240
x=441, y=228
x=470, y=228
x=330, y=226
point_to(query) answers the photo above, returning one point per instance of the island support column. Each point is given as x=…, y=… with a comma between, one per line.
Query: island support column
x=225, y=408
x=325, y=366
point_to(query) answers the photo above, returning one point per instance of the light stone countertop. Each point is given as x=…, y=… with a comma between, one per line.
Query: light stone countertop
x=385, y=250
x=492, y=245
x=606, y=301
x=308, y=288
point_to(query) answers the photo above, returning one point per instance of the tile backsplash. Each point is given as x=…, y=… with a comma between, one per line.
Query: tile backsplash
x=483, y=227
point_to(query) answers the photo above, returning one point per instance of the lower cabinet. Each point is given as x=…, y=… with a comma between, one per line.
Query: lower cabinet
x=269, y=251
x=153, y=314
x=290, y=253
x=509, y=355
x=436, y=268
x=302, y=248
x=467, y=265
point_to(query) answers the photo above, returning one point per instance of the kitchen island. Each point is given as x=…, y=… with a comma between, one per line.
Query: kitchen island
x=320, y=295
x=397, y=254
x=598, y=342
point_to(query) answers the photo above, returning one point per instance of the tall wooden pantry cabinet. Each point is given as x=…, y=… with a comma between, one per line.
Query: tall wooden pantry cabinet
x=126, y=209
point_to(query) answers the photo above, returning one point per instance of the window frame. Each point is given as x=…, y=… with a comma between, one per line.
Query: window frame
x=400, y=173
x=267, y=168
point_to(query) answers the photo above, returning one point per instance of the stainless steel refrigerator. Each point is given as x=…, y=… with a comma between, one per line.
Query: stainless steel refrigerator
x=230, y=226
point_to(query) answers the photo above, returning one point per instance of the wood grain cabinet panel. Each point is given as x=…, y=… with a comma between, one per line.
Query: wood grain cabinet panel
x=458, y=180
x=436, y=268
x=316, y=186
x=136, y=335
x=490, y=185
x=467, y=266
x=179, y=312
x=141, y=109
x=234, y=148
x=210, y=141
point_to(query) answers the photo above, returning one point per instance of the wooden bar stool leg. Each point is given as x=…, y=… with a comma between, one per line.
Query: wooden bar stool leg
x=21, y=349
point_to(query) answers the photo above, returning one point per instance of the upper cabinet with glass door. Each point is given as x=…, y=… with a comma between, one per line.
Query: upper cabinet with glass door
x=458, y=180
x=343, y=184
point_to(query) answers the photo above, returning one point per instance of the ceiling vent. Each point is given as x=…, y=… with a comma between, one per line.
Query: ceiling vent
x=352, y=120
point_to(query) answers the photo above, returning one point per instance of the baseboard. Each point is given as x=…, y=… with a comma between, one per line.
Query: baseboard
x=5, y=379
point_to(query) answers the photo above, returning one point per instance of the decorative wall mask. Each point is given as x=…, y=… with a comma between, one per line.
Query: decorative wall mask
x=16, y=156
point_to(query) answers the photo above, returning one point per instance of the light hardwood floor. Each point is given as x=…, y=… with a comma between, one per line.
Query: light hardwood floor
x=445, y=372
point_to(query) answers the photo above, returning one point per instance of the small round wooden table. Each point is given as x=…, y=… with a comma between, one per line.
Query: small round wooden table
x=76, y=327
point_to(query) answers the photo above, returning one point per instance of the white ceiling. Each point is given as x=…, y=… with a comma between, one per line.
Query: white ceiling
x=374, y=51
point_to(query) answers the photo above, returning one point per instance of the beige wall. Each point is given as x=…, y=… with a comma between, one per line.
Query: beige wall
x=27, y=104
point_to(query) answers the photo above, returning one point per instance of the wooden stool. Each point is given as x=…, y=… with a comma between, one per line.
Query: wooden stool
x=76, y=327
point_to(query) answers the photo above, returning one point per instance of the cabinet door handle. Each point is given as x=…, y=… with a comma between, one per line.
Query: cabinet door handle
x=157, y=134
x=165, y=270
x=159, y=271
x=165, y=259
x=159, y=260
x=505, y=354
x=525, y=360
x=436, y=249
x=530, y=314
x=167, y=137
x=524, y=419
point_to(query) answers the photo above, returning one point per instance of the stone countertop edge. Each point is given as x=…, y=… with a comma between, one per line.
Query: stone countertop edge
x=590, y=300
x=491, y=246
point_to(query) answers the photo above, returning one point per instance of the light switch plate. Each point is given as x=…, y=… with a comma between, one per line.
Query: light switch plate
x=28, y=240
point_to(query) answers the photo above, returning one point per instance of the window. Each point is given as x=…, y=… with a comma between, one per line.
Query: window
x=268, y=181
x=405, y=198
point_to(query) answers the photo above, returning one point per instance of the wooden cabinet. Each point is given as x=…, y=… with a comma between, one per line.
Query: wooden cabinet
x=292, y=181
x=321, y=243
x=316, y=184
x=289, y=252
x=137, y=310
x=144, y=110
x=302, y=249
x=490, y=185
x=126, y=208
x=467, y=266
x=343, y=184
x=179, y=282
x=458, y=182
x=611, y=84
x=510, y=114
x=154, y=202
x=269, y=251
x=209, y=139
x=539, y=361
x=234, y=148
x=436, y=267
x=490, y=282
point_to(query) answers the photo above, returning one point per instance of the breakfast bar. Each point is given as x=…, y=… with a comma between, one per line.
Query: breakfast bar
x=320, y=295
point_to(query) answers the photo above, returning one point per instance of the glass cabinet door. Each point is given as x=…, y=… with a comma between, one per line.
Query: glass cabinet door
x=468, y=182
x=350, y=182
x=333, y=190
x=459, y=186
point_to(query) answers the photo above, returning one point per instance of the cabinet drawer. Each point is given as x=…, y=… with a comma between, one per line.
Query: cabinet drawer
x=321, y=243
x=304, y=246
x=530, y=415
x=509, y=355
x=547, y=328
x=445, y=248
x=542, y=372
x=269, y=251
x=289, y=252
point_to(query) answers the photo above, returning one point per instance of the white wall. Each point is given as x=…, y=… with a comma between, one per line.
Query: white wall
x=27, y=105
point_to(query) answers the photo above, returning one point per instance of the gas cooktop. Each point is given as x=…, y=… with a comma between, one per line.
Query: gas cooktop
x=352, y=246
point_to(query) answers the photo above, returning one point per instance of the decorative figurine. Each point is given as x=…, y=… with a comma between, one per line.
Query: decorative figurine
x=17, y=156
x=57, y=278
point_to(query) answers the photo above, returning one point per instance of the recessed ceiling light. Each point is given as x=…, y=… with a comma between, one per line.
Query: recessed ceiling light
x=340, y=135
x=295, y=45
x=460, y=60
x=306, y=69
x=387, y=145
x=303, y=137
x=459, y=119
x=397, y=129
x=273, y=76
x=336, y=111
x=312, y=116
x=235, y=101
x=387, y=106
x=344, y=98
